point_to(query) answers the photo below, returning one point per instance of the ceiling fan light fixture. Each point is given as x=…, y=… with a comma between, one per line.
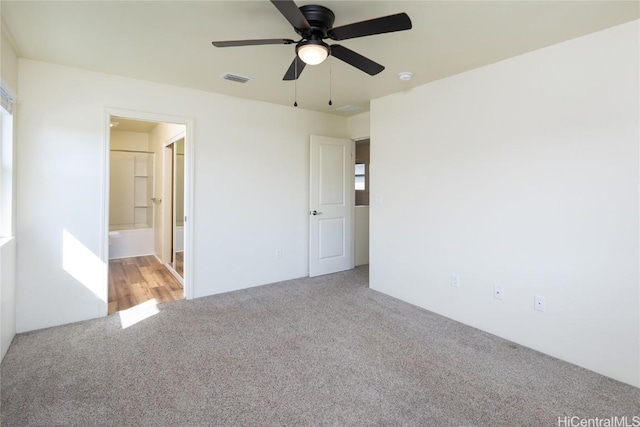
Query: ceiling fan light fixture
x=312, y=52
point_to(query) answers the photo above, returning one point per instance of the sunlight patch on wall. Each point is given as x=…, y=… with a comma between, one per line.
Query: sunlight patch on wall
x=83, y=265
x=138, y=313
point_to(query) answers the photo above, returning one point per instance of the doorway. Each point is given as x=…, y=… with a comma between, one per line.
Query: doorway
x=146, y=251
x=362, y=200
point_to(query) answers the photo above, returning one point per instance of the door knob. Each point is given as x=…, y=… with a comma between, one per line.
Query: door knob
x=316, y=213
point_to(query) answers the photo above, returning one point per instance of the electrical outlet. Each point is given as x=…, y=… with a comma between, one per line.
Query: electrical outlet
x=498, y=292
x=278, y=253
x=539, y=303
x=455, y=281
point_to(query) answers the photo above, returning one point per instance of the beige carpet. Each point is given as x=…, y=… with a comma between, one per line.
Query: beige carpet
x=321, y=351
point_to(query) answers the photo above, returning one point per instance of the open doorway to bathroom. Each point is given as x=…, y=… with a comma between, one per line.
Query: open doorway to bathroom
x=146, y=196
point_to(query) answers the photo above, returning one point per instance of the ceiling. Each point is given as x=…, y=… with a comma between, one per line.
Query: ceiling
x=170, y=42
x=120, y=124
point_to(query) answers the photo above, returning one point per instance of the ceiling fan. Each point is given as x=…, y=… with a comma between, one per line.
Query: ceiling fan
x=314, y=24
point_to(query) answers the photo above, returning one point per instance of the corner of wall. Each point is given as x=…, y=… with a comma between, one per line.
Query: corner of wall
x=359, y=125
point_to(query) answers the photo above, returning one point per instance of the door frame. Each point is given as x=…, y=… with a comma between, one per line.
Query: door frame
x=188, y=194
x=355, y=140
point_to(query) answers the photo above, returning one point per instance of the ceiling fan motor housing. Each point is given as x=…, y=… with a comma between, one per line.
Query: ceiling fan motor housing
x=320, y=20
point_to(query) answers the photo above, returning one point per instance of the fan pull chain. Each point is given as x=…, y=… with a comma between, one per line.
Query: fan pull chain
x=330, y=63
x=295, y=83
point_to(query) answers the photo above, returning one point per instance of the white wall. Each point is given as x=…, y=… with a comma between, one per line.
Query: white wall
x=9, y=81
x=359, y=125
x=250, y=187
x=128, y=140
x=523, y=173
x=8, y=62
x=7, y=293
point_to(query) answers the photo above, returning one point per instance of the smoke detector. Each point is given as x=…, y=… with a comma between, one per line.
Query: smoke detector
x=405, y=76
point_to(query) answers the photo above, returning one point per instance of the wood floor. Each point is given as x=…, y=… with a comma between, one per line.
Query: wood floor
x=133, y=281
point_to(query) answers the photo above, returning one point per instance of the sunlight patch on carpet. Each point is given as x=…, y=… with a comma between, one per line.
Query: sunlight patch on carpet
x=138, y=313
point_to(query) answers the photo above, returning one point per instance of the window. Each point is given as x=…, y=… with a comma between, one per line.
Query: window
x=6, y=164
x=360, y=176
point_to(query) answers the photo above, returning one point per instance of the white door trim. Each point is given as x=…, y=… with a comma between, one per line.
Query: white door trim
x=189, y=190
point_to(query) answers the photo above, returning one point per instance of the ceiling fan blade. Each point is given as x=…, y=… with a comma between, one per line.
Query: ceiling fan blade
x=234, y=43
x=295, y=69
x=355, y=59
x=386, y=24
x=290, y=11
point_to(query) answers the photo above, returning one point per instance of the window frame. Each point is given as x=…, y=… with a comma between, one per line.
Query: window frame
x=7, y=167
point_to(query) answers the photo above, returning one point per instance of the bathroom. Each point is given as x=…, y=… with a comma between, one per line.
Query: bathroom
x=146, y=212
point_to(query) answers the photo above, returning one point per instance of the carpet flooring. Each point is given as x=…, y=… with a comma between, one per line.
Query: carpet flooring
x=313, y=351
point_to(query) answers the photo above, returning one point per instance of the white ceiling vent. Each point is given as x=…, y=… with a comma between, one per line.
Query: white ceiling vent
x=236, y=78
x=349, y=109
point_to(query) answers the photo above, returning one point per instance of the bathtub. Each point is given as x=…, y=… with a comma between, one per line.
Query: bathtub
x=130, y=243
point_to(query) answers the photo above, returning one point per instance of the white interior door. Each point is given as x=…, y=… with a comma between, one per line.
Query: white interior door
x=330, y=205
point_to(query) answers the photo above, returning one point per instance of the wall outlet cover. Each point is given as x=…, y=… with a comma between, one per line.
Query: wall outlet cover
x=455, y=281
